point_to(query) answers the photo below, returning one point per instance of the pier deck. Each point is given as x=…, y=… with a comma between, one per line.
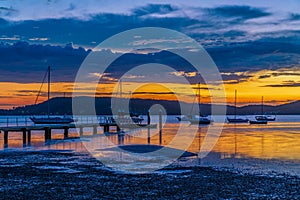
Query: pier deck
x=26, y=130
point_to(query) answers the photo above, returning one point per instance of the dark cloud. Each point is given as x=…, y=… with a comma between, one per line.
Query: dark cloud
x=256, y=55
x=240, y=12
x=264, y=76
x=154, y=9
x=5, y=11
x=276, y=74
x=157, y=93
x=278, y=49
x=285, y=84
x=235, y=78
x=22, y=62
x=294, y=17
x=285, y=74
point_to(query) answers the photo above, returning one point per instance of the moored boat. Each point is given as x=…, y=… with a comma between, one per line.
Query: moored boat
x=258, y=122
x=265, y=117
x=50, y=119
x=235, y=119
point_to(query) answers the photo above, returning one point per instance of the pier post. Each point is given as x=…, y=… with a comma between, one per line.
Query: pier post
x=95, y=130
x=148, y=123
x=160, y=127
x=24, y=136
x=81, y=131
x=28, y=137
x=118, y=129
x=5, y=139
x=47, y=134
x=66, y=132
x=106, y=128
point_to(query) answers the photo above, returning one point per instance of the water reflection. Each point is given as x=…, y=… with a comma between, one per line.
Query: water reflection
x=276, y=141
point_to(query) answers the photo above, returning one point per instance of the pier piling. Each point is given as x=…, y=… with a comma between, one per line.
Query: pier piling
x=160, y=127
x=94, y=130
x=24, y=136
x=81, y=131
x=5, y=138
x=66, y=132
x=28, y=137
x=148, y=129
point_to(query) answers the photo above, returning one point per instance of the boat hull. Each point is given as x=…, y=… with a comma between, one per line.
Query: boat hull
x=52, y=120
x=258, y=122
x=237, y=120
x=265, y=118
x=200, y=121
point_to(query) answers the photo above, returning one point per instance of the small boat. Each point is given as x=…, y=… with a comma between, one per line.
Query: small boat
x=184, y=118
x=258, y=122
x=235, y=119
x=199, y=119
x=137, y=119
x=49, y=119
x=265, y=117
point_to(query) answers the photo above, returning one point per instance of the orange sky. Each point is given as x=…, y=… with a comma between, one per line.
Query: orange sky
x=249, y=91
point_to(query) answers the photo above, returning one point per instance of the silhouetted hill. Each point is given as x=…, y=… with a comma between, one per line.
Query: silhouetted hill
x=61, y=105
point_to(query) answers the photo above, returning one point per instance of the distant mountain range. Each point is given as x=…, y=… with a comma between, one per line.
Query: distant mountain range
x=63, y=105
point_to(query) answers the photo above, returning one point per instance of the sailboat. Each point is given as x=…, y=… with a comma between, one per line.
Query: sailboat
x=194, y=119
x=235, y=119
x=260, y=119
x=49, y=119
x=262, y=116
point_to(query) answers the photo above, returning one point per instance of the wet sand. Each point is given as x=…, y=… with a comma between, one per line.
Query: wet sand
x=68, y=175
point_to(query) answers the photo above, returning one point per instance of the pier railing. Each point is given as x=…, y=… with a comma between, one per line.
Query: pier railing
x=9, y=121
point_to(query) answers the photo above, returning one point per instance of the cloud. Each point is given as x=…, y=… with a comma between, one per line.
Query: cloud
x=294, y=17
x=156, y=93
x=185, y=74
x=235, y=77
x=151, y=9
x=38, y=39
x=264, y=76
x=20, y=59
x=290, y=83
x=14, y=38
x=280, y=72
x=238, y=12
x=226, y=32
x=7, y=11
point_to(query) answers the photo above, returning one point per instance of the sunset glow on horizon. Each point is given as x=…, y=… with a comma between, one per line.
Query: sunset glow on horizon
x=249, y=91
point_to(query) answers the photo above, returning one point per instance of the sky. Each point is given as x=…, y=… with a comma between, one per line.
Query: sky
x=255, y=45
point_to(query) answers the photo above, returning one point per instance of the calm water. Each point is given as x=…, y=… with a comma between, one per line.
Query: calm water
x=273, y=146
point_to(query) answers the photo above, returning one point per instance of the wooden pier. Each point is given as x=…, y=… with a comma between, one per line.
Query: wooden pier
x=26, y=130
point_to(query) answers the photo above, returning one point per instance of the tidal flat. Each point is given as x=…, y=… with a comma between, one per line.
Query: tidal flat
x=51, y=174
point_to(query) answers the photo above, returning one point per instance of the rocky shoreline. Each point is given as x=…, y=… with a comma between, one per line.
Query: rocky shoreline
x=69, y=175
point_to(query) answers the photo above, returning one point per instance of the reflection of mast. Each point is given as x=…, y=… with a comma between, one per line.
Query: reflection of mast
x=120, y=88
x=235, y=104
x=262, y=105
x=199, y=141
x=235, y=142
x=262, y=145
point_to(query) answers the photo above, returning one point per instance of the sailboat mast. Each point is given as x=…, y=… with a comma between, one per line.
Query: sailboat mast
x=199, y=98
x=235, y=104
x=48, y=91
